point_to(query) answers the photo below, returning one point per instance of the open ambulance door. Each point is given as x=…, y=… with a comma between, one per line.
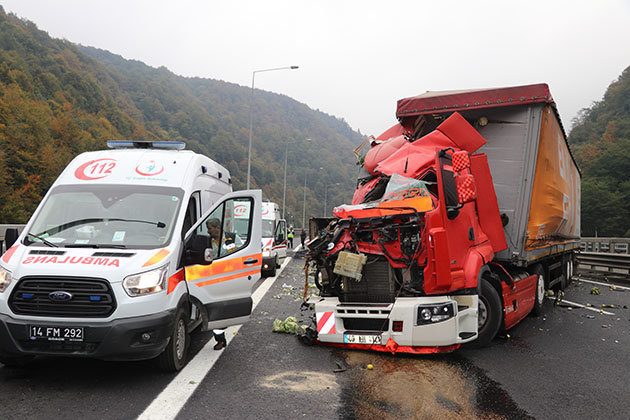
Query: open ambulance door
x=280, y=241
x=224, y=287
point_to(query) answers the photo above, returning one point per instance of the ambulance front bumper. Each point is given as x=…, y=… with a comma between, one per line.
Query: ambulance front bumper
x=136, y=338
x=356, y=325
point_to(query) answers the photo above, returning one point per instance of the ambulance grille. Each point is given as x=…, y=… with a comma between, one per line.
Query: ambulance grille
x=89, y=297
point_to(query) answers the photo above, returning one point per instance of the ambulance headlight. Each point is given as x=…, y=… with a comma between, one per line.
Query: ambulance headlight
x=5, y=279
x=146, y=283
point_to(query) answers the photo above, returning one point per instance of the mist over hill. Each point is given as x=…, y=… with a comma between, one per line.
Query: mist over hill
x=58, y=99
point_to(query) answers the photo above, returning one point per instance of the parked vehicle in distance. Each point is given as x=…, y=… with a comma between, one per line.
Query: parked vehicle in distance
x=467, y=210
x=118, y=263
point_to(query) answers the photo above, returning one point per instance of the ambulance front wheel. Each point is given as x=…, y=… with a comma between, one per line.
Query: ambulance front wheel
x=175, y=355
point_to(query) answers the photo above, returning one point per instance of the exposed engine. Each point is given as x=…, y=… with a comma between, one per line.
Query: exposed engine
x=371, y=260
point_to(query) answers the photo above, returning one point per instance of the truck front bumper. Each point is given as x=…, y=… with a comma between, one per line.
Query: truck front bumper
x=397, y=326
x=120, y=339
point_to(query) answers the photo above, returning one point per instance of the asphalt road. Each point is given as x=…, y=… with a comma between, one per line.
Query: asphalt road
x=571, y=362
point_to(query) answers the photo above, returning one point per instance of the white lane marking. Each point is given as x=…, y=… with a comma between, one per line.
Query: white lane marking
x=602, y=284
x=590, y=308
x=171, y=400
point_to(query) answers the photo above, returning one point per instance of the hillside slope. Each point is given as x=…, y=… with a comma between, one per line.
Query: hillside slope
x=58, y=99
x=601, y=141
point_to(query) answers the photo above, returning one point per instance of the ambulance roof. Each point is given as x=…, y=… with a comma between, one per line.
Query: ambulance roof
x=172, y=168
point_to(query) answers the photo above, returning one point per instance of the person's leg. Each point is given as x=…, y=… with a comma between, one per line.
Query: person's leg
x=219, y=336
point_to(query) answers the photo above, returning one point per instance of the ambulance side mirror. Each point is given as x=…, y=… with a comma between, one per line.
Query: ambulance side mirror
x=198, y=250
x=10, y=236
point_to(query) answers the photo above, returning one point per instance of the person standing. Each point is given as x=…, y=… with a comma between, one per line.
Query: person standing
x=226, y=244
x=290, y=237
x=303, y=237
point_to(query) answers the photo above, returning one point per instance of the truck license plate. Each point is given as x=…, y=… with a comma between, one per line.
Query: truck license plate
x=52, y=333
x=362, y=339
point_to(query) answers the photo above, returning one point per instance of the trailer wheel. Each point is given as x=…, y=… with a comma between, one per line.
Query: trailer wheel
x=174, y=356
x=568, y=270
x=489, y=314
x=539, y=272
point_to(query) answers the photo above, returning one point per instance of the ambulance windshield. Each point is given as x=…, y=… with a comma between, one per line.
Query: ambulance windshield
x=102, y=216
x=267, y=228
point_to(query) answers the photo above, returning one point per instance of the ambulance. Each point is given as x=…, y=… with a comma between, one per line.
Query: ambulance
x=117, y=263
x=274, y=238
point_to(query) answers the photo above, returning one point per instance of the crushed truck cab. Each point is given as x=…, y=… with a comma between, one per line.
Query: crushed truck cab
x=118, y=263
x=466, y=212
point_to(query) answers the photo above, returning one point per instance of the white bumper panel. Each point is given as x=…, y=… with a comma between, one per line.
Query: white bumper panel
x=456, y=330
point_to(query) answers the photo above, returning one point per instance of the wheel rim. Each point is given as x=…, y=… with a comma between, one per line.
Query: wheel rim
x=540, y=292
x=180, y=342
x=569, y=270
x=482, y=316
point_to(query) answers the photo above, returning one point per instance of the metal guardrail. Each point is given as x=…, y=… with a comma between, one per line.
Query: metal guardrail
x=605, y=262
x=610, y=245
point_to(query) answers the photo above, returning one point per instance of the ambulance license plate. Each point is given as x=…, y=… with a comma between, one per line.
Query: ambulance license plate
x=52, y=333
x=362, y=339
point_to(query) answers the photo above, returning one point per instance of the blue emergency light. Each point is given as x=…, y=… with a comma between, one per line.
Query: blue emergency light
x=146, y=144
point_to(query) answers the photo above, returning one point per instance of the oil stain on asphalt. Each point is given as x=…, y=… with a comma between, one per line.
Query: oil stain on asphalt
x=421, y=387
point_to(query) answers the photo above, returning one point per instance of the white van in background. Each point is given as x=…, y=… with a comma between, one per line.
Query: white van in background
x=274, y=238
x=117, y=262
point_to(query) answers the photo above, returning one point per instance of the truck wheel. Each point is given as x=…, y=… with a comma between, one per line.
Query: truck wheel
x=489, y=314
x=538, y=271
x=174, y=356
x=17, y=361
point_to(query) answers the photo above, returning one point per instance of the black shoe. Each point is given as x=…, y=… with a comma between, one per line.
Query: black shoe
x=220, y=345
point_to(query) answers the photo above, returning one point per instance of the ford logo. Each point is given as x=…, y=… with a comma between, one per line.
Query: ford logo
x=60, y=296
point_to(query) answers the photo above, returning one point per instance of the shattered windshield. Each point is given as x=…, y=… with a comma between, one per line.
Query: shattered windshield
x=101, y=216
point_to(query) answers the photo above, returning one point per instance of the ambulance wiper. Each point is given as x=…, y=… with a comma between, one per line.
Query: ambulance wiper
x=80, y=222
x=48, y=243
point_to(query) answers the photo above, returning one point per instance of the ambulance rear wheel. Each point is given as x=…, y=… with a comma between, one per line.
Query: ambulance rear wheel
x=174, y=356
x=489, y=314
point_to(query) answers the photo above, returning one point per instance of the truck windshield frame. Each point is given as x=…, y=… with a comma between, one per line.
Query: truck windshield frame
x=107, y=216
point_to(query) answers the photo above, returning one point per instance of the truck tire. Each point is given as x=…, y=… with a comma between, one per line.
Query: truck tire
x=175, y=355
x=489, y=315
x=540, y=289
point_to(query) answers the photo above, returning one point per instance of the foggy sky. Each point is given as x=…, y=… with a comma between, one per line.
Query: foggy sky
x=357, y=58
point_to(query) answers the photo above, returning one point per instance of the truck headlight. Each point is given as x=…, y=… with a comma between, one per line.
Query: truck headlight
x=146, y=283
x=5, y=279
x=430, y=314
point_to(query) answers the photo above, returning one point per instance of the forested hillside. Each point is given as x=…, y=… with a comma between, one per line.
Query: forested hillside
x=58, y=99
x=600, y=139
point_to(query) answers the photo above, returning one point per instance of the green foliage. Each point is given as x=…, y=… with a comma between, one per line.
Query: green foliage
x=58, y=99
x=600, y=140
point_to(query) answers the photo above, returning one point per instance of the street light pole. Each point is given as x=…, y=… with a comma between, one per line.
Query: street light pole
x=304, y=205
x=251, y=104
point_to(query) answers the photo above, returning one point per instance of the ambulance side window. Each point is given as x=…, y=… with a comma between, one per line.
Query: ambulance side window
x=192, y=212
x=229, y=226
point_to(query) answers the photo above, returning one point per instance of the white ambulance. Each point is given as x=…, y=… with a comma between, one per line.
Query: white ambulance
x=274, y=238
x=117, y=261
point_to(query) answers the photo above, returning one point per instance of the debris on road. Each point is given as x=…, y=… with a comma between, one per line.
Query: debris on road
x=595, y=291
x=288, y=326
